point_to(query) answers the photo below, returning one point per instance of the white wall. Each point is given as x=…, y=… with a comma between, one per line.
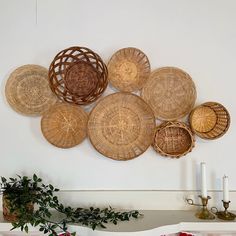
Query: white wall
x=197, y=36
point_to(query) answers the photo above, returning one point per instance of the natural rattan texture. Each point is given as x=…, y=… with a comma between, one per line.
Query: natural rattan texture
x=12, y=216
x=78, y=75
x=28, y=92
x=121, y=126
x=210, y=120
x=170, y=92
x=173, y=139
x=129, y=69
x=64, y=125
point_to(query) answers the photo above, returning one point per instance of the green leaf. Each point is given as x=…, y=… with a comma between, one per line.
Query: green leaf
x=35, y=178
x=26, y=229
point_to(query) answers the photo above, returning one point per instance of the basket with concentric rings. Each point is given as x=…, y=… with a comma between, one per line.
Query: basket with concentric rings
x=210, y=120
x=78, y=75
x=173, y=139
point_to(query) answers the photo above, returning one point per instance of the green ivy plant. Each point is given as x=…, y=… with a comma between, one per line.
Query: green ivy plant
x=22, y=191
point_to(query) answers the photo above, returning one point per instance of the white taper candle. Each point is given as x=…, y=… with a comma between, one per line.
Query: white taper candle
x=203, y=180
x=225, y=189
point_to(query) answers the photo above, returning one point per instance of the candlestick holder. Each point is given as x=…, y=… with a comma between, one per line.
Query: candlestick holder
x=203, y=213
x=224, y=215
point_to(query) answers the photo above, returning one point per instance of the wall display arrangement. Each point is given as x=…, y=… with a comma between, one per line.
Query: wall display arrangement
x=210, y=120
x=78, y=75
x=64, y=125
x=121, y=126
x=27, y=90
x=170, y=92
x=129, y=69
x=173, y=139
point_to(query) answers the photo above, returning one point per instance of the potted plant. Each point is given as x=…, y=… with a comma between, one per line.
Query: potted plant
x=20, y=194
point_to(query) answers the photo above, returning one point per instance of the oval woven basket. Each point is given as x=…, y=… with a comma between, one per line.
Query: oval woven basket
x=64, y=125
x=78, y=75
x=27, y=90
x=170, y=92
x=121, y=126
x=129, y=69
x=210, y=120
x=173, y=139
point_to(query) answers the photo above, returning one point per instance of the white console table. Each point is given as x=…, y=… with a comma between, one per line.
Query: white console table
x=153, y=223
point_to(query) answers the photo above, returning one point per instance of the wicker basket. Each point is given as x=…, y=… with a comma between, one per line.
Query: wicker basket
x=121, y=126
x=173, y=139
x=78, y=75
x=64, y=125
x=129, y=69
x=12, y=216
x=210, y=120
x=28, y=92
x=170, y=92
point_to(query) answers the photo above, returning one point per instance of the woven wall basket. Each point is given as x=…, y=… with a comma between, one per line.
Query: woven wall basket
x=28, y=92
x=173, y=139
x=170, y=92
x=64, y=125
x=121, y=126
x=210, y=120
x=78, y=75
x=129, y=69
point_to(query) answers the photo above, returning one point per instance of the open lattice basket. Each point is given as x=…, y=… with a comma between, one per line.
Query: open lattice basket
x=78, y=75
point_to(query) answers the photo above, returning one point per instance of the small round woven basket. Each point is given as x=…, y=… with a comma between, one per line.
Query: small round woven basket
x=121, y=126
x=210, y=120
x=173, y=139
x=27, y=90
x=13, y=216
x=78, y=75
x=170, y=92
x=129, y=69
x=64, y=125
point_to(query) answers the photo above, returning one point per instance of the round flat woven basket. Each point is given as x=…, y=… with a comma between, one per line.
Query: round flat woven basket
x=170, y=92
x=210, y=120
x=121, y=126
x=27, y=90
x=64, y=125
x=129, y=69
x=78, y=75
x=173, y=139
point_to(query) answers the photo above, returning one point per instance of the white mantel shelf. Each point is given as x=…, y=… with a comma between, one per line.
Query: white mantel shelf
x=152, y=223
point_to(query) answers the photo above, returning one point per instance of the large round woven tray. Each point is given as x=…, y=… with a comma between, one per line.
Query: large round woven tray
x=210, y=120
x=28, y=92
x=64, y=125
x=170, y=92
x=173, y=139
x=121, y=126
x=78, y=75
x=129, y=69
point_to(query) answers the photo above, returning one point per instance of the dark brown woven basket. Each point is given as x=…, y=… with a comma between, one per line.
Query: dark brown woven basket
x=78, y=75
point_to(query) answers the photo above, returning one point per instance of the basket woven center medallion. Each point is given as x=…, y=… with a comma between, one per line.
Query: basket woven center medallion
x=121, y=126
x=127, y=69
x=81, y=79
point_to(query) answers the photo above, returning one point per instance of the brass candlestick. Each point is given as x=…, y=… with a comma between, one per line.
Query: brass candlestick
x=203, y=213
x=225, y=215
